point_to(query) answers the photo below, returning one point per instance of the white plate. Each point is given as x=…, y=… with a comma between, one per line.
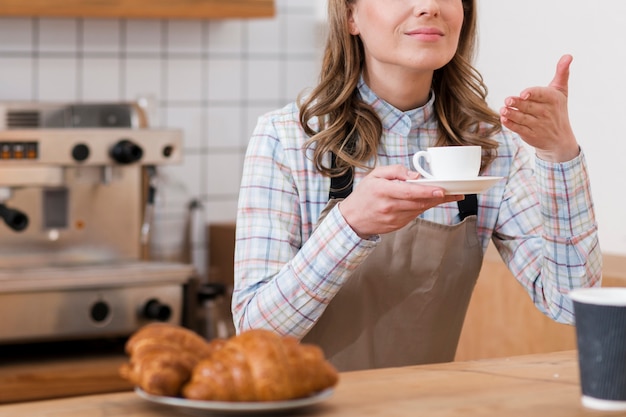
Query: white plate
x=470, y=186
x=198, y=407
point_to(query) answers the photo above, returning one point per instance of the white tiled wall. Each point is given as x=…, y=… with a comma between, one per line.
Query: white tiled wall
x=210, y=78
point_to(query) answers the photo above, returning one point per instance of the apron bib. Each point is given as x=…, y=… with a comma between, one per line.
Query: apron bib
x=405, y=305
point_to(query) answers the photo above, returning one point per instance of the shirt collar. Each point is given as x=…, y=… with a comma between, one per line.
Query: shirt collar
x=393, y=119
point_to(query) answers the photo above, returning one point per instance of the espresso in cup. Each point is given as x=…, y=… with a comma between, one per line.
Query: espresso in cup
x=449, y=162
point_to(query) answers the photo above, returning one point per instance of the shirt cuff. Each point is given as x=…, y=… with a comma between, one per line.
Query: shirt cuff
x=347, y=234
x=565, y=194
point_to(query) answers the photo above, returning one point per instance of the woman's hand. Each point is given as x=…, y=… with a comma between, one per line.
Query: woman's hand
x=540, y=116
x=383, y=202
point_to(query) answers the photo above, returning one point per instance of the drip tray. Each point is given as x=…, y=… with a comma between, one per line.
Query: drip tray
x=99, y=275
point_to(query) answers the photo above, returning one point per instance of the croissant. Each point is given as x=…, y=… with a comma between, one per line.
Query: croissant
x=259, y=365
x=162, y=357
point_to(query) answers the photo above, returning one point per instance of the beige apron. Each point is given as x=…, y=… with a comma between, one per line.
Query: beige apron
x=406, y=303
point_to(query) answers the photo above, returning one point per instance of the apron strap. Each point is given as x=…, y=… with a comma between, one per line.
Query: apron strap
x=468, y=207
x=341, y=187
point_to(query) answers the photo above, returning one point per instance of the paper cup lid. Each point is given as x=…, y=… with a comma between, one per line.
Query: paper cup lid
x=608, y=296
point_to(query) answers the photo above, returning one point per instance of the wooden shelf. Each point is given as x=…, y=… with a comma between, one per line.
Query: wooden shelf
x=138, y=9
x=40, y=371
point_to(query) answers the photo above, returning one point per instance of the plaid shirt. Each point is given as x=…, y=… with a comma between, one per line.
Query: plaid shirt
x=287, y=270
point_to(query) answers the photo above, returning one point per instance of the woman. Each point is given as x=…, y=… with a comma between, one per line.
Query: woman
x=336, y=248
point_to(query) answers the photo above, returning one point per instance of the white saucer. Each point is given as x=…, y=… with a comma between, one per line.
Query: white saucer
x=469, y=186
x=202, y=408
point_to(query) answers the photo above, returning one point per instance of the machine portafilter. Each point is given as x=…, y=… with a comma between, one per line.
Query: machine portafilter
x=15, y=219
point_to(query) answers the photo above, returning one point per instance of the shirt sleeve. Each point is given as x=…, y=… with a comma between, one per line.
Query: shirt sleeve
x=283, y=280
x=561, y=251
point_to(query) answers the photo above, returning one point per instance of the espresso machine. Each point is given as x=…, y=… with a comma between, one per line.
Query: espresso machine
x=77, y=187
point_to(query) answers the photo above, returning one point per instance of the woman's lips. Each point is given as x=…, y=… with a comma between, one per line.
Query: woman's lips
x=426, y=34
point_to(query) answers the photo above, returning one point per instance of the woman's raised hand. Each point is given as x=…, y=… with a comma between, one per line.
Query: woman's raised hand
x=540, y=116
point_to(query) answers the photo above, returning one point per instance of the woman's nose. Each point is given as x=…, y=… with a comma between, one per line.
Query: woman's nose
x=426, y=8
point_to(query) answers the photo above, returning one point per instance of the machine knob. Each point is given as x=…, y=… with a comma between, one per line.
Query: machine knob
x=80, y=152
x=156, y=310
x=100, y=311
x=126, y=152
x=15, y=219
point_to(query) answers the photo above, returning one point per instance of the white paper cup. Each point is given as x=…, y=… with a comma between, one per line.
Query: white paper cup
x=600, y=315
x=449, y=162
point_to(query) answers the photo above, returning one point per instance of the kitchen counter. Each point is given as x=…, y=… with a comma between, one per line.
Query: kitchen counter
x=531, y=385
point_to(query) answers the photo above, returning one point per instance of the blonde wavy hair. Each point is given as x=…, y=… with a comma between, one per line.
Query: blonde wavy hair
x=349, y=128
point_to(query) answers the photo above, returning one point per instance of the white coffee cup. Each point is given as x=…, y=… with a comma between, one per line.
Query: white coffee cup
x=449, y=162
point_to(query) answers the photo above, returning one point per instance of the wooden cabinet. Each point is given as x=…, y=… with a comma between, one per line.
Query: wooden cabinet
x=502, y=320
x=174, y=9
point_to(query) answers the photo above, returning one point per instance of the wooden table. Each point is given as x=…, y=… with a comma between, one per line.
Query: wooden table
x=532, y=385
